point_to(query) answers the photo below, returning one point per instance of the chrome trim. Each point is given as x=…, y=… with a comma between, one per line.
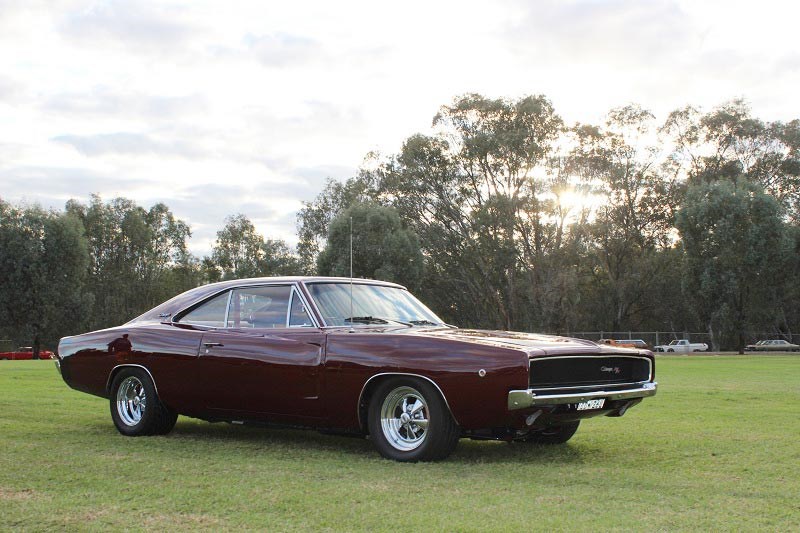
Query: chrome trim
x=108, y=381
x=309, y=311
x=522, y=399
x=591, y=356
x=227, y=309
x=131, y=401
x=296, y=291
x=363, y=388
x=289, y=308
x=315, y=313
x=600, y=386
x=294, y=285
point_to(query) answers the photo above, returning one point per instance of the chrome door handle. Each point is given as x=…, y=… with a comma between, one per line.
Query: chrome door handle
x=210, y=344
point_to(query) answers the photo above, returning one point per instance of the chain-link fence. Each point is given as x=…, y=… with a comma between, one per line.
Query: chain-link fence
x=655, y=338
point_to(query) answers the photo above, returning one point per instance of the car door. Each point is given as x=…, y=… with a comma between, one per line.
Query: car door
x=266, y=361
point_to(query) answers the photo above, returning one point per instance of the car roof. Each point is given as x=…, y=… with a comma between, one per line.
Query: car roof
x=185, y=299
x=295, y=279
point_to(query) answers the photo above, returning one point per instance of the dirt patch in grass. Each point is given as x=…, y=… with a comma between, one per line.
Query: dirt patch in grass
x=18, y=495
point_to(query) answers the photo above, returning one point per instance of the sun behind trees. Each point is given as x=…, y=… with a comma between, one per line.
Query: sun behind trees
x=526, y=223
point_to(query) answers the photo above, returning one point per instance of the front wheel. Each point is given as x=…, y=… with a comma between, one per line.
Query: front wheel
x=553, y=435
x=409, y=421
x=135, y=407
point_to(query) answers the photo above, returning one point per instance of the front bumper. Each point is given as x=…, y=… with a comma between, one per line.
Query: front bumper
x=522, y=399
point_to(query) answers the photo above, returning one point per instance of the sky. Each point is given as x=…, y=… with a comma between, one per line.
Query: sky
x=219, y=108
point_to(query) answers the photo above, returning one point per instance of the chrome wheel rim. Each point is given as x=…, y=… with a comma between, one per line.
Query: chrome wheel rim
x=404, y=418
x=131, y=401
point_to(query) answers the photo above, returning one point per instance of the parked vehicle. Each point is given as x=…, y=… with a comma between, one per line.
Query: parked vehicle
x=25, y=352
x=776, y=345
x=682, y=346
x=626, y=343
x=360, y=356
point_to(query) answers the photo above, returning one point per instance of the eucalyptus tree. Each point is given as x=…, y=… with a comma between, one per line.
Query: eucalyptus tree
x=315, y=217
x=473, y=193
x=241, y=252
x=383, y=247
x=632, y=223
x=280, y=259
x=133, y=252
x=238, y=251
x=729, y=142
x=735, y=256
x=43, y=266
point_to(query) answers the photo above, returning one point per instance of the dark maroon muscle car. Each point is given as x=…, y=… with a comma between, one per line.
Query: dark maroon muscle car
x=364, y=357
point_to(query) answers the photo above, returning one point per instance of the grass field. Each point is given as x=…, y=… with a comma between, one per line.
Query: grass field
x=717, y=449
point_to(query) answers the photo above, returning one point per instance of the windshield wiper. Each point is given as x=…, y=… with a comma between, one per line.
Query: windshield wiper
x=423, y=322
x=374, y=320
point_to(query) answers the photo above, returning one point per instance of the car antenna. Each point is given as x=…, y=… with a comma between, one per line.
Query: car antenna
x=351, y=276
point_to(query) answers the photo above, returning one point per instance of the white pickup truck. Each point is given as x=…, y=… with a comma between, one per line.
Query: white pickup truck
x=682, y=346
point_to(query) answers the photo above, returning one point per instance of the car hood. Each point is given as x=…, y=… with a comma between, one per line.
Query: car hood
x=531, y=343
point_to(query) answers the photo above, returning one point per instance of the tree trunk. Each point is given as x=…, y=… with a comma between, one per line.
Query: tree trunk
x=36, y=346
x=712, y=338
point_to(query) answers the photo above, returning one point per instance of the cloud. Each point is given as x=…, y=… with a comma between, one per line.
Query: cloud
x=313, y=119
x=127, y=143
x=617, y=32
x=271, y=207
x=10, y=89
x=103, y=101
x=283, y=50
x=53, y=185
x=133, y=25
x=313, y=178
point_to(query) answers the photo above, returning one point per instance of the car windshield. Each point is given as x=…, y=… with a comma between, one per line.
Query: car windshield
x=372, y=304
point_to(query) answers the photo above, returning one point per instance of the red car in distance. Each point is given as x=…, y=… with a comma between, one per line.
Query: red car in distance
x=24, y=353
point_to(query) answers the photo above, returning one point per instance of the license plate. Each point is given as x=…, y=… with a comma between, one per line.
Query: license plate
x=591, y=404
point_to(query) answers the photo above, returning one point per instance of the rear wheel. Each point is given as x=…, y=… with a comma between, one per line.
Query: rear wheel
x=553, y=435
x=135, y=407
x=409, y=421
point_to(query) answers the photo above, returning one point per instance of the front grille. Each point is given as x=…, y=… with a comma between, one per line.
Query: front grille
x=585, y=370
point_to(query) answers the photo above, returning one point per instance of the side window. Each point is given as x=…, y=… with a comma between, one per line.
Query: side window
x=259, y=307
x=298, y=315
x=210, y=313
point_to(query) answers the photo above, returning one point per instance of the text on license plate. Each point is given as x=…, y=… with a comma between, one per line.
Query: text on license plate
x=591, y=404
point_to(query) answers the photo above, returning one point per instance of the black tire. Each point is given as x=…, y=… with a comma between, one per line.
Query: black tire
x=395, y=425
x=135, y=407
x=671, y=350
x=553, y=435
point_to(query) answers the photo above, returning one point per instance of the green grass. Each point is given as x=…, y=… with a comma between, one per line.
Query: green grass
x=717, y=449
